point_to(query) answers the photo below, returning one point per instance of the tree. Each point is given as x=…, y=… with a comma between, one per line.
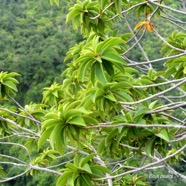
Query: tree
x=113, y=120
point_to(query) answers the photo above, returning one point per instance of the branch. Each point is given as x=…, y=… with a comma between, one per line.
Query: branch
x=109, y=125
x=16, y=114
x=171, y=46
x=146, y=166
x=18, y=126
x=153, y=61
x=154, y=95
x=169, y=168
x=167, y=108
x=14, y=177
x=159, y=84
x=166, y=7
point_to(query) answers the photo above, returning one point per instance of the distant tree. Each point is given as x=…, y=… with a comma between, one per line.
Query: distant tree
x=113, y=120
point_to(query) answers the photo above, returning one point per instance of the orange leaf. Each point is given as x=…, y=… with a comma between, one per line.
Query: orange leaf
x=150, y=26
x=140, y=24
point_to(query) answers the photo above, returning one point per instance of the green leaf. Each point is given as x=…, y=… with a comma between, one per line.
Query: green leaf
x=99, y=72
x=108, y=67
x=71, y=166
x=96, y=95
x=76, y=112
x=70, y=181
x=86, y=159
x=97, y=173
x=86, y=180
x=140, y=112
x=56, y=138
x=50, y=123
x=101, y=146
x=124, y=96
x=2, y=91
x=184, y=70
x=149, y=147
x=84, y=69
x=170, y=71
x=86, y=168
x=90, y=120
x=114, y=58
x=63, y=178
x=122, y=85
x=10, y=84
x=108, y=43
x=111, y=136
x=77, y=120
x=76, y=160
x=151, y=105
x=111, y=97
x=102, y=4
x=164, y=135
x=100, y=168
x=44, y=137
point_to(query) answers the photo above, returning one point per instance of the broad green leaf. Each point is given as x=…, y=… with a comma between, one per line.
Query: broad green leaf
x=2, y=91
x=111, y=97
x=184, y=70
x=96, y=95
x=71, y=166
x=88, y=103
x=76, y=112
x=51, y=115
x=90, y=120
x=84, y=69
x=70, y=181
x=11, y=74
x=101, y=146
x=86, y=167
x=97, y=173
x=122, y=85
x=10, y=84
x=113, y=57
x=111, y=136
x=170, y=71
x=124, y=96
x=102, y=3
x=121, y=134
x=55, y=138
x=164, y=135
x=149, y=147
x=100, y=168
x=86, y=159
x=63, y=178
x=140, y=112
x=108, y=67
x=44, y=137
x=50, y=123
x=99, y=72
x=146, y=81
x=151, y=105
x=108, y=43
x=86, y=180
x=77, y=120
x=76, y=160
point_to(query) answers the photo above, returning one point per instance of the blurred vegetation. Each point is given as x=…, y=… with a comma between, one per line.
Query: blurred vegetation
x=34, y=41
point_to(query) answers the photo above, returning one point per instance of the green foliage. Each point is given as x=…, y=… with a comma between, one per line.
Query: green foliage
x=81, y=172
x=34, y=41
x=106, y=114
x=7, y=84
x=175, y=67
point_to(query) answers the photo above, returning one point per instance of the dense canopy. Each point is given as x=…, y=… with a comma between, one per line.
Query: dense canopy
x=113, y=113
